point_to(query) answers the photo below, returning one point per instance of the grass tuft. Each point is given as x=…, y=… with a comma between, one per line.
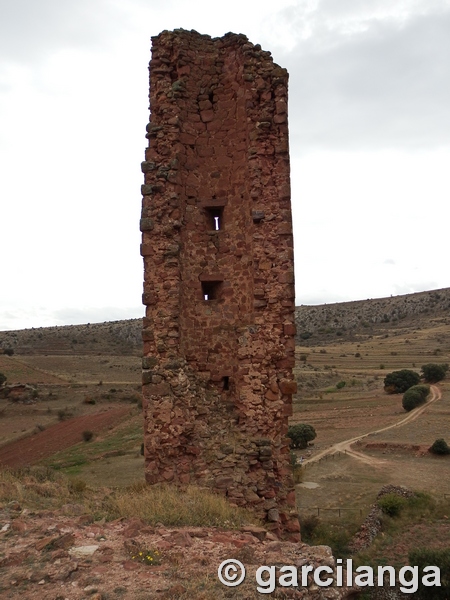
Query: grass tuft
x=44, y=488
x=172, y=506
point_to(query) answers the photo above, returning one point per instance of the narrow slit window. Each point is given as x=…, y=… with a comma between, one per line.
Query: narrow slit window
x=226, y=383
x=215, y=218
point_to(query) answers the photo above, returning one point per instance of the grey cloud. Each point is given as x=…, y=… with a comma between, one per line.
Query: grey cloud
x=386, y=87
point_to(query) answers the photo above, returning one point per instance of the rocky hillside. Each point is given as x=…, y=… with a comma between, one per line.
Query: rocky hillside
x=113, y=337
x=345, y=318
x=341, y=319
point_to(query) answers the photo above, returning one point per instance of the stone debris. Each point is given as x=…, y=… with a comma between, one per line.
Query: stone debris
x=83, y=551
x=33, y=567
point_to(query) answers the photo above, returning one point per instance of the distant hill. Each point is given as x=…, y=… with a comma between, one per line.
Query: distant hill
x=111, y=337
x=313, y=322
x=347, y=318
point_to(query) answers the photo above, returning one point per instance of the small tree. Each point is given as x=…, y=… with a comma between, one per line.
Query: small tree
x=391, y=504
x=415, y=396
x=301, y=434
x=440, y=447
x=87, y=436
x=2, y=379
x=398, y=382
x=432, y=372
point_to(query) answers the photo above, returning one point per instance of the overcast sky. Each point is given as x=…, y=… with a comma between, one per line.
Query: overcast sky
x=369, y=117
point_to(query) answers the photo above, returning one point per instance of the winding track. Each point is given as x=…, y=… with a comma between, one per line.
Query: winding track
x=345, y=446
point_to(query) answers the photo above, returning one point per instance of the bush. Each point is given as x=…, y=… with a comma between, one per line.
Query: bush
x=64, y=413
x=415, y=396
x=340, y=385
x=398, y=382
x=432, y=372
x=391, y=504
x=87, y=436
x=301, y=434
x=77, y=486
x=424, y=557
x=2, y=378
x=8, y=351
x=440, y=447
x=309, y=525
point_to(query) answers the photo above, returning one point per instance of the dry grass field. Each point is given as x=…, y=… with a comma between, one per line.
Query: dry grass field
x=361, y=406
x=67, y=387
x=83, y=378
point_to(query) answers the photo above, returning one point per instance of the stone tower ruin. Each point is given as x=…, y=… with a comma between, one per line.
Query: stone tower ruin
x=219, y=274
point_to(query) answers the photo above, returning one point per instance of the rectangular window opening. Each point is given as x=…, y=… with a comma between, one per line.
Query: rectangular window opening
x=211, y=290
x=215, y=218
x=226, y=383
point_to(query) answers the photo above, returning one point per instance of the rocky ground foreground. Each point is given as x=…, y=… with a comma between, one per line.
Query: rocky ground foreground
x=64, y=554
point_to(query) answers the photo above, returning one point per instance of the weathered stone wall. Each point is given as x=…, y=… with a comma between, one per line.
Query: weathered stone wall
x=219, y=278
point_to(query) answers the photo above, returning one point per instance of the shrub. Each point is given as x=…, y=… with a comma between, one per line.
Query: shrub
x=424, y=557
x=8, y=351
x=2, y=378
x=415, y=396
x=301, y=434
x=391, y=504
x=64, y=413
x=398, y=382
x=432, y=372
x=309, y=525
x=340, y=385
x=77, y=486
x=87, y=436
x=440, y=447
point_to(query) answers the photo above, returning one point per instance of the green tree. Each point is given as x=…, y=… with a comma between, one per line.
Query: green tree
x=392, y=504
x=440, y=446
x=415, y=396
x=301, y=434
x=398, y=382
x=432, y=372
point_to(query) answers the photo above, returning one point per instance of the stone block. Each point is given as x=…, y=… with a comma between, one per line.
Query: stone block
x=289, y=329
x=288, y=386
x=158, y=389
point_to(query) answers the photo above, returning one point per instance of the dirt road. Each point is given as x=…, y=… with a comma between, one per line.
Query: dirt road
x=346, y=445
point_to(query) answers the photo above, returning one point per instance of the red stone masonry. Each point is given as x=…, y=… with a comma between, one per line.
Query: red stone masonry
x=219, y=273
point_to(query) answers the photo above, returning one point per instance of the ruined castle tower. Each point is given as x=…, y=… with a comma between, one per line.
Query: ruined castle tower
x=219, y=274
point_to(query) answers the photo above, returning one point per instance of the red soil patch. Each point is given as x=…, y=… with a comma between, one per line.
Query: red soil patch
x=60, y=436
